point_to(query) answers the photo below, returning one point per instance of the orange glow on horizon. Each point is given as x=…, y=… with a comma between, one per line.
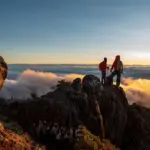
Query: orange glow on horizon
x=75, y=59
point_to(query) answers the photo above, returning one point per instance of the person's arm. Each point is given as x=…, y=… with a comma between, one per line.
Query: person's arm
x=112, y=67
x=107, y=67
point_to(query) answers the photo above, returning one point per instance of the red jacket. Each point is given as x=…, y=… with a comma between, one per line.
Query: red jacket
x=103, y=66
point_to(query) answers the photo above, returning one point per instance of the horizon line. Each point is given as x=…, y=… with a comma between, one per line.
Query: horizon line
x=71, y=64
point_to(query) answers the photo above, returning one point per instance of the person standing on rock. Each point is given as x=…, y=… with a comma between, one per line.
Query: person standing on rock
x=117, y=69
x=102, y=67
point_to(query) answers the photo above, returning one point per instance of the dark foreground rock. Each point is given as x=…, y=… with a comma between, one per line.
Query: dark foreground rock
x=11, y=141
x=137, y=133
x=54, y=119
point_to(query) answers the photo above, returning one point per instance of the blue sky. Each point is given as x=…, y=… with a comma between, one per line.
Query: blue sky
x=75, y=31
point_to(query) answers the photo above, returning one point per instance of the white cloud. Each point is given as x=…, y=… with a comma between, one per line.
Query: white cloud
x=32, y=82
x=137, y=90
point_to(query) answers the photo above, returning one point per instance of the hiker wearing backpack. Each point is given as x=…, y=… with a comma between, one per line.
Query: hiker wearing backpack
x=117, y=69
x=102, y=68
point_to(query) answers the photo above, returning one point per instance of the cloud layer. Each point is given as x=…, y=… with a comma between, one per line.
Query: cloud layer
x=30, y=82
x=137, y=91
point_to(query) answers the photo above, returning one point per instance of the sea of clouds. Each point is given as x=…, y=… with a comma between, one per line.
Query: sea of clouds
x=38, y=82
x=30, y=82
x=137, y=90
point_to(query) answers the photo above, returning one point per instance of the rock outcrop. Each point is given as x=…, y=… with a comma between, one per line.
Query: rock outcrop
x=3, y=71
x=91, y=84
x=58, y=114
x=137, y=133
x=102, y=111
x=9, y=140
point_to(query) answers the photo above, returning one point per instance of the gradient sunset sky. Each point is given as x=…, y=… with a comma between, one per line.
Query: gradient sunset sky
x=75, y=31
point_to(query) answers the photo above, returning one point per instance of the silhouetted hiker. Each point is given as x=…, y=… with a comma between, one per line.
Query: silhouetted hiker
x=102, y=68
x=117, y=69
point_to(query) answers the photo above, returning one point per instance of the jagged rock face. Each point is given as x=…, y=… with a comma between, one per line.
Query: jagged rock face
x=69, y=108
x=54, y=118
x=49, y=122
x=113, y=105
x=3, y=71
x=137, y=133
x=91, y=84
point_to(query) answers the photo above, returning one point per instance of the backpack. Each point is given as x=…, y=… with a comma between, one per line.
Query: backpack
x=119, y=66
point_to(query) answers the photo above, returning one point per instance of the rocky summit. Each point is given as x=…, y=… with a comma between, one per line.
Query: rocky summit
x=82, y=115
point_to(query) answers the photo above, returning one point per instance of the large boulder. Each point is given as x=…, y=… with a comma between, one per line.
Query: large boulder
x=76, y=84
x=91, y=84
